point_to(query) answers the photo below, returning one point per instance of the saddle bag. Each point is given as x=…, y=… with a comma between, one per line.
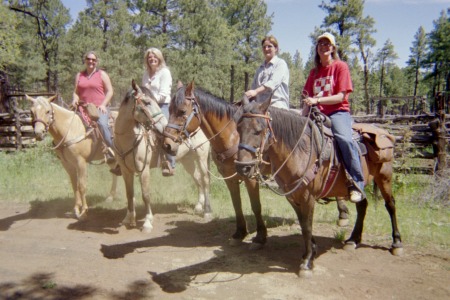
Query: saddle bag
x=92, y=112
x=379, y=143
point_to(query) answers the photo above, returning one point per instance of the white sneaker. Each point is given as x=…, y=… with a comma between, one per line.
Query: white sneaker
x=355, y=196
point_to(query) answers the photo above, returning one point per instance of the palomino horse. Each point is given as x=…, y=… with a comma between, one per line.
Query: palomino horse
x=191, y=109
x=73, y=145
x=297, y=153
x=138, y=149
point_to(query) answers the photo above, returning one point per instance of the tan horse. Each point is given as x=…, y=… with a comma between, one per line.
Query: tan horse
x=73, y=145
x=302, y=160
x=138, y=150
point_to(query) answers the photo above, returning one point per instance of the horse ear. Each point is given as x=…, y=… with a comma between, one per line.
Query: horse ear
x=133, y=84
x=190, y=88
x=52, y=98
x=266, y=103
x=29, y=98
x=179, y=84
x=245, y=100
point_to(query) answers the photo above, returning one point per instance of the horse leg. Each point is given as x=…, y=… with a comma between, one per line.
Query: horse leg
x=72, y=172
x=82, y=183
x=304, y=210
x=261, y=230
x=343, y=212
x=130, y=218
x=144, y=177
x=355, y=237
x=241, y=225
x=386, y=191
x=199, y=173
x=112, y=190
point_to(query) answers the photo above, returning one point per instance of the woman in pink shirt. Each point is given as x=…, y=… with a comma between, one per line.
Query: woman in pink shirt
x=94, y=86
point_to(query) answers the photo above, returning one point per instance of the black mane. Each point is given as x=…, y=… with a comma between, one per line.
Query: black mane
x=207, y=102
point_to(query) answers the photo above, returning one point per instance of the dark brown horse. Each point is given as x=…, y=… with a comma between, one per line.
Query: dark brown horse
x=193, y=108
x=298, y=155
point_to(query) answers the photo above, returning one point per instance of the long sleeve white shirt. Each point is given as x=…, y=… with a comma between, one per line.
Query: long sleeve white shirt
x=160, y=84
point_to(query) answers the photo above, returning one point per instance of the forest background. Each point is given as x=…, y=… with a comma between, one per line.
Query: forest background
x=214, y=42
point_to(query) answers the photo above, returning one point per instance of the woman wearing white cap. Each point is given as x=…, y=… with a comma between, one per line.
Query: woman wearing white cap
x=328, y=86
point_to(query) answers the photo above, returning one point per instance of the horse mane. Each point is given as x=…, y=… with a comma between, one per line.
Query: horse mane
x=207, y=102
x=287, y=127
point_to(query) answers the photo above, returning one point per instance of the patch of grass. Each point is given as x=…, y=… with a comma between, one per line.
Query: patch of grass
x=339, y=235
x=36, y=176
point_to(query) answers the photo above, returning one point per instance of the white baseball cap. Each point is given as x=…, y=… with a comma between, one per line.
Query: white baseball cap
x=329, y=37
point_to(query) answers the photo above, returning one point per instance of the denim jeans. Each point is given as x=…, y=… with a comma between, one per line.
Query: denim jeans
x=105, y=130
x=341, y=125
x=165, y=111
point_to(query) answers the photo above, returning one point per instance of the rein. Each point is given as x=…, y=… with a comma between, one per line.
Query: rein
x=307, y=175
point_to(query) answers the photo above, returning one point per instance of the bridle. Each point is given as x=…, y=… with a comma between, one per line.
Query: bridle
x=259, y=151
x=141, y=104
x=51, y=117
x=182, y=129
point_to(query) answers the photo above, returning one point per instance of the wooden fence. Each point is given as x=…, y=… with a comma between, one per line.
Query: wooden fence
x=422, y=140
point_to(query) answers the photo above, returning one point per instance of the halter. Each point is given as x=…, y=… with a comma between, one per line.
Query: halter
x=51, y=118
x=182, y=129
x=268, y=133
x=142, y=105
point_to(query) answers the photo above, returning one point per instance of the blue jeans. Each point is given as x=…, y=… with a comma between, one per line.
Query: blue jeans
x=165, y=111
x=105, y=130
x=341, y=125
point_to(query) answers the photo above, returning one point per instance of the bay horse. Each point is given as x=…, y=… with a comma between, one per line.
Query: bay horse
x=297, y=153
x=137, y=148
x=74, y=146
x=192, y=108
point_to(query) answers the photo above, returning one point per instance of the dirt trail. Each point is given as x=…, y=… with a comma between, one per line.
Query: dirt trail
x=45, y=254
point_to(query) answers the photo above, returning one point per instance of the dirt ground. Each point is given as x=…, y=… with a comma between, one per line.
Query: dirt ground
x=44, y=254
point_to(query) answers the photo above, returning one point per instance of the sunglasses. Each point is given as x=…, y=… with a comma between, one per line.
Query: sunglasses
x=324, y=44
x=267, y=46
x=90, y=59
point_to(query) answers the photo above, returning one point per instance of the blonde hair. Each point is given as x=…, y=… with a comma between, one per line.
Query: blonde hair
x=158, y=54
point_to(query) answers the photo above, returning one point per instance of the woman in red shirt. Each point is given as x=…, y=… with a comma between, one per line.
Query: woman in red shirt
x=328, y=86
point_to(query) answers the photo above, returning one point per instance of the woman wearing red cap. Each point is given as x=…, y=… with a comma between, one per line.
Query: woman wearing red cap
x=328, y=86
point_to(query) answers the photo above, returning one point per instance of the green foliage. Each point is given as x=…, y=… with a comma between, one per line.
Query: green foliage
x=214, y=42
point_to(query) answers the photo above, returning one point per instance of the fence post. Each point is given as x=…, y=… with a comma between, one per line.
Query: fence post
x=439, y=133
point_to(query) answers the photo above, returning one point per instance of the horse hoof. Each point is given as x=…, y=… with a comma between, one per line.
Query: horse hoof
x=306, y=274
x=350, y=246
x=198, y=210
x=235, y=242
x=397, y=251
x=208, y=217
x=342, y=222
x=146, y=229
x=109, y=199
x=256, y=246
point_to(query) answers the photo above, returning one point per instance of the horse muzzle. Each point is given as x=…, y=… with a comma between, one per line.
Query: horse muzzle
x=246, y=169
x=169, y=146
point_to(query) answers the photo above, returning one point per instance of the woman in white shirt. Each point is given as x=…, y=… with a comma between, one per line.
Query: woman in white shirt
x=157, y=78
